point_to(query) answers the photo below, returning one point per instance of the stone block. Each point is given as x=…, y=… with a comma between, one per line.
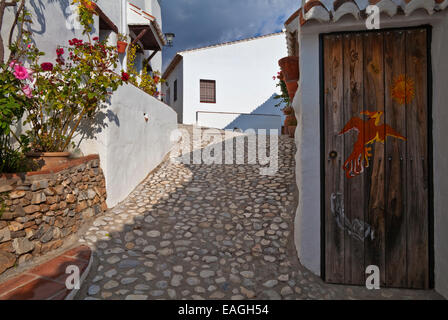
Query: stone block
x=39, y=185
x=5, y=188
x=22, y=245
x=5, y=235
x=17, y=194
x=7, y=260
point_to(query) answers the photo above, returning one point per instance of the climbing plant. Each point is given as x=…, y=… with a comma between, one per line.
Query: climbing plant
x=147, y=81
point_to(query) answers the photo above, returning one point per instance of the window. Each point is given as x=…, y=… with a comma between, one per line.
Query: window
x=175, y=90
x=208, y=91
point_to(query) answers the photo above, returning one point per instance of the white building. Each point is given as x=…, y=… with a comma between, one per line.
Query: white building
x=227, y=85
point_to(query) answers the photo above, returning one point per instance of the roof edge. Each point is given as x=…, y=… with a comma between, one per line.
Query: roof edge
x=173, y=64
x=232, y=42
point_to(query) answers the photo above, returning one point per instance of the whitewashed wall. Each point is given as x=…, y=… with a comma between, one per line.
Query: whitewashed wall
x=307, y=105
x=129, y=147
x=243, y=72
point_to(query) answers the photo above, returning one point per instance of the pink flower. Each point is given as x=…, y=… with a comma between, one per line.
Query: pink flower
x=20, y=72
x=13, y=64
x=28, y=91
x=29, y=46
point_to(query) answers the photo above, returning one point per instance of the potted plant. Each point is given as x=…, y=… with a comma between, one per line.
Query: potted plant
x=122, y=43
x=60, y=95
x=288, y=110
x=290, y=67
x=291, y=73
x=284, y=96
x=291, y=124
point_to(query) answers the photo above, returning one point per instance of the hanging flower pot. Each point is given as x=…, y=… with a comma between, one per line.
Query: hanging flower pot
x=292, y=86
x=121, y=46
x=290, y=68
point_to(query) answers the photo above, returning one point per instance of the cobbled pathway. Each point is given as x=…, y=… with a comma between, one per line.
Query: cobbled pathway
x=209, y=232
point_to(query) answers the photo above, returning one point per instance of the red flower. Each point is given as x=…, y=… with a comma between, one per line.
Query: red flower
x=96, y=39
x=60, y=51
x=125, y=76
x=75, y=42
x=47, y=66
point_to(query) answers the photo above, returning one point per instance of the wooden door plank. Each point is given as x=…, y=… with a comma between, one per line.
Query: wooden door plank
x=417, y=160
x=374, y=186
x=353, y=187
x=334, y=234
x=395, y=178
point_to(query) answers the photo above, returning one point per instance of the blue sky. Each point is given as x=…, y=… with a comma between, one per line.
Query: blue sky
x=198, y=23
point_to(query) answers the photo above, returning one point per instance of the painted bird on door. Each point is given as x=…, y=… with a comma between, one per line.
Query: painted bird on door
x=369, y=132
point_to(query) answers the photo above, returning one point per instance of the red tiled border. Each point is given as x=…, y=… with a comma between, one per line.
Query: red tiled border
x=71, y=163
x=46, y=281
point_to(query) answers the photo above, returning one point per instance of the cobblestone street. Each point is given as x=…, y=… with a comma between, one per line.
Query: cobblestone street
x=209, y=232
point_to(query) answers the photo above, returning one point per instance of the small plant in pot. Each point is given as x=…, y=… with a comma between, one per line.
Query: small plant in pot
x=122, y=43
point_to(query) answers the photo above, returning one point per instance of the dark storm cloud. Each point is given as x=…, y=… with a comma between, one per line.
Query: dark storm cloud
x=198, y=23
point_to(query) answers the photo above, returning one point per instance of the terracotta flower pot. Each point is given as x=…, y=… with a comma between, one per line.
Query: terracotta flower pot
x=288, y=110
x=292, y=131
x=121, y=46
x=290, y=68
x=292, y=86
x=281, y=76
x=49, y=160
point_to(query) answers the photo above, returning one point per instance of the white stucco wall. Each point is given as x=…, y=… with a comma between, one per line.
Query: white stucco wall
x=129, y=147
x=307, y=105
x=243, y=73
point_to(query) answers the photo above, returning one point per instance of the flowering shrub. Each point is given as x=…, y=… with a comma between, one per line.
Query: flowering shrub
x=146, y=81
x=14, y=92
x=284, y=96
x=66, y=92
x=56, y=96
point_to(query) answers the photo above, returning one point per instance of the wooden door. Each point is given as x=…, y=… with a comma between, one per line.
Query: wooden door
x=375, y=113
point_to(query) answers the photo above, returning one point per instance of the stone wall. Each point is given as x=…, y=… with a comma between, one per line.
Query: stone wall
x=41, y=210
